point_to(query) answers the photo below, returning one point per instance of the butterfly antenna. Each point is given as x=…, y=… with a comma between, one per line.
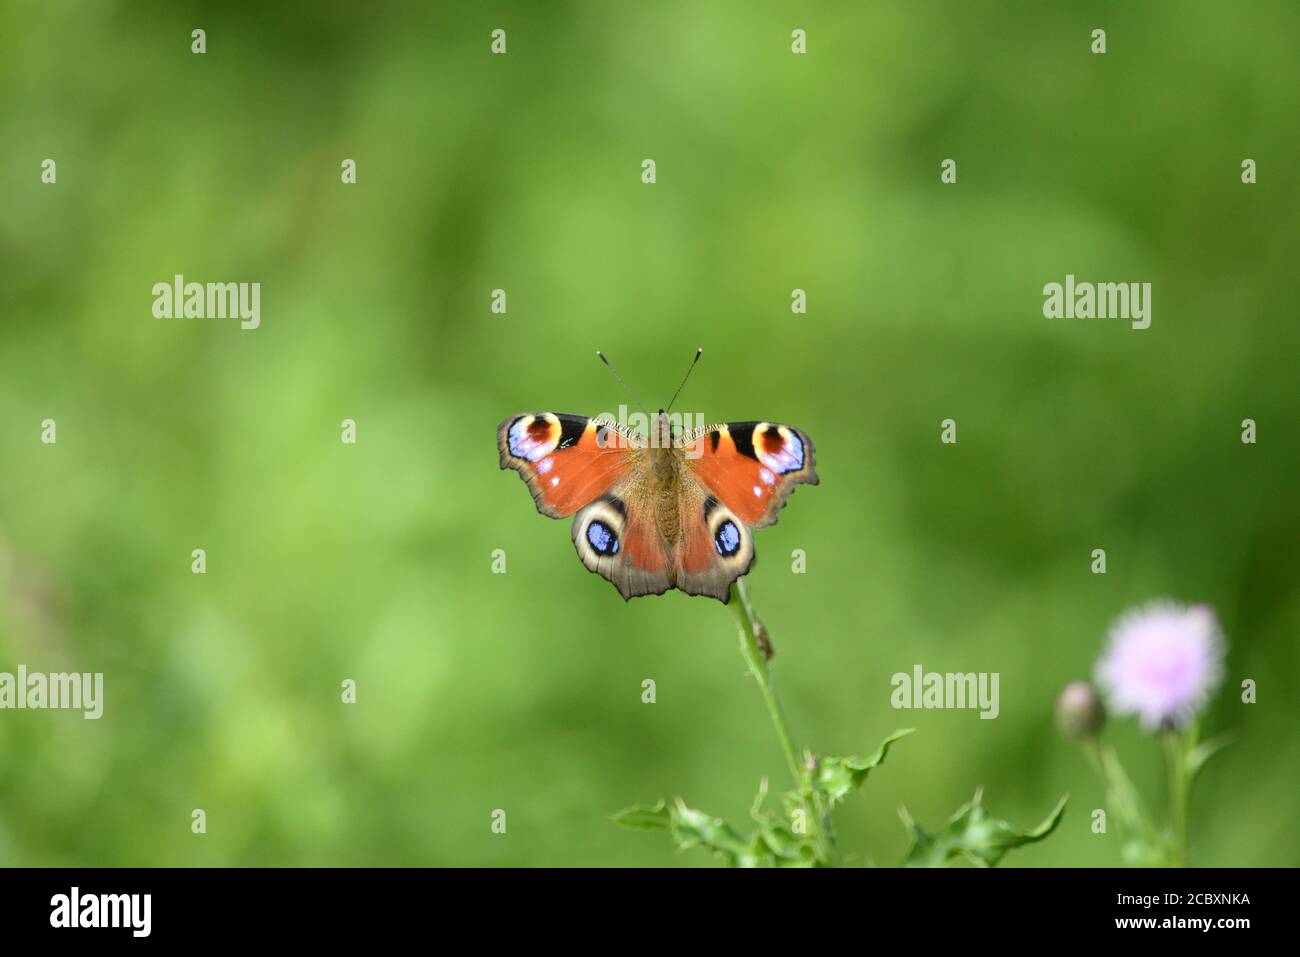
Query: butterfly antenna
x=698, y=353
x=614, y=373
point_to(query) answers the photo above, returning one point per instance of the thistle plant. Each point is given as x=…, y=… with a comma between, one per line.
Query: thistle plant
x=1161, y=664
x=802, y=832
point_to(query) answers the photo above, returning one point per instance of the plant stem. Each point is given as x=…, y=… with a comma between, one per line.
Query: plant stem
x=1119, y=792
x=1122, y=796
x=757, y=662
x=1177, y=746
x=755, y=657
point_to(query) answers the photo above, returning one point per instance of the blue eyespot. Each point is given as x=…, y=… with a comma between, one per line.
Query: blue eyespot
x=601, y=538
x=727, y=539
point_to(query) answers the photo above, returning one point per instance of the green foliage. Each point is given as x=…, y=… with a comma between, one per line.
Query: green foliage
x=1146, y=841
x=770, y=844
x=1201, y=753
x=837, y=777
x=973, y=834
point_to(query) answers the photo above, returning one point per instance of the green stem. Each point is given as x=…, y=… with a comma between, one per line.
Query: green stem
x=1120, y=793
x=756, y=658
x=757, y=662
x=1177, y=746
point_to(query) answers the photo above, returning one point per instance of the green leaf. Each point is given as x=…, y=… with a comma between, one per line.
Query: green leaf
x=974, y=834
x=1204, y=751
x=642, y=818
x=770, y=845
x=838, y=777
x=693, y=828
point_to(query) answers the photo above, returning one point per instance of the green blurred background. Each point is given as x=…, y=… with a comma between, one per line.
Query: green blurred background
x=775, y=171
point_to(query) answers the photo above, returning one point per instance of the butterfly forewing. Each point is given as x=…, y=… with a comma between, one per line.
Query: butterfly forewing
x=752, y=467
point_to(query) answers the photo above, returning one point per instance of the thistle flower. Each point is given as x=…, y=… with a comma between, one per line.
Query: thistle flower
x=1079, y=713
x=1162, y=662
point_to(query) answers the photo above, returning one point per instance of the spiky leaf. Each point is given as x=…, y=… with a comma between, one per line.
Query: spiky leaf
x=838, y=777
x=974, y=834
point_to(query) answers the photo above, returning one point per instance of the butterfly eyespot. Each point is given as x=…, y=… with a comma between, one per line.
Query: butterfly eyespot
x=727, y=539
x=539, y=430
x=602, y=538
x=532, y=437
x=778, y=448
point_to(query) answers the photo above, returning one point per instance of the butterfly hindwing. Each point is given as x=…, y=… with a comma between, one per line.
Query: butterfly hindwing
x=715, y=547
x=752, y=467
x=617, y=537
x=567, y=460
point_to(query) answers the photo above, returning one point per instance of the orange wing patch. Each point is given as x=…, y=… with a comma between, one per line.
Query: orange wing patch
x=752, y=467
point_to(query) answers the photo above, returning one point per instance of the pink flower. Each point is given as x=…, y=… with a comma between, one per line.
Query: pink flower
x=1162, y=662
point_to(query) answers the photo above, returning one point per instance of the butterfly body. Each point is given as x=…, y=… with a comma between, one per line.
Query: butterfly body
x=669, y=512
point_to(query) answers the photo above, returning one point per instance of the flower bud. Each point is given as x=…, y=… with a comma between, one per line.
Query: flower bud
x=1079, y=713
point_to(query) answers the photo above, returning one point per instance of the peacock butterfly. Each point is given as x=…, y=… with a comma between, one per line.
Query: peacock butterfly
x=664, y=511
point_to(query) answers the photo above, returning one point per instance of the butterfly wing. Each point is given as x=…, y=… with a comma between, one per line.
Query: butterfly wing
x=740, y=479
x=574, y=465
x=714, y=548
x=617, y=536
x=752, y=467
x=568, y=461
